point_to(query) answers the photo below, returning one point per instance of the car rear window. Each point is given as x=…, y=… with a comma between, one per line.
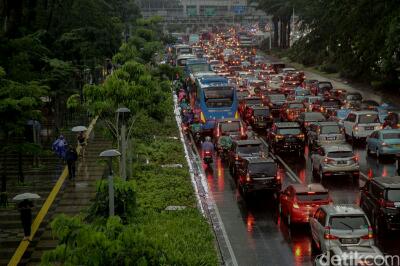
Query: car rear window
x=277, y=97
x=354, y=97
x=330, y=103
x=393, y=195
x=391, y=136
x=368, y=118
x=312, y=196
x=289, y=131
x=296, y=105
x=268, y=169
x=348, y=222
x=249, y=149
x=340, y=154
x=230, y=127
x=333, y=129
x=314, y=116
x=263, y=112
x=254, y=101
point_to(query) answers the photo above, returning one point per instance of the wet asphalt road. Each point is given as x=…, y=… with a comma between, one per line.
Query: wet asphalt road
x=257, y=234
x=255, y=230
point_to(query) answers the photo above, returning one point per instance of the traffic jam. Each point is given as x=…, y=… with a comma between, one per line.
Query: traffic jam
x=298, y=167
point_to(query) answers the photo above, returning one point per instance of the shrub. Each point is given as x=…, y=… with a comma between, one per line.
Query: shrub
x=125, y=199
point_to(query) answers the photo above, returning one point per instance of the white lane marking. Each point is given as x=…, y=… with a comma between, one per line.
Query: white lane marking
x=289, y=169
x=291, y=177
x=290, y=172
x=364, y=176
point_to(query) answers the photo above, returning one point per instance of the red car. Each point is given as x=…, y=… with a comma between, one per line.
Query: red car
x=298, y=201
x=290, y=111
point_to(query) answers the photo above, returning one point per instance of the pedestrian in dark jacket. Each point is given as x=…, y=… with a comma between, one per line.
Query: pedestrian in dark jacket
x=25, y=208
x=71, y=156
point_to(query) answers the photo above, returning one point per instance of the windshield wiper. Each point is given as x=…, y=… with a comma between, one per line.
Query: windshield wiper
x=348, y=226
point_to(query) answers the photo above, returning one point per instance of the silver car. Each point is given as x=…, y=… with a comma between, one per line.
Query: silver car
x=325, y=133
x=332, y=160
x=340, y=226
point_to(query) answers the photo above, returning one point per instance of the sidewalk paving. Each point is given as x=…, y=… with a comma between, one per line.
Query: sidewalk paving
x=71, y=200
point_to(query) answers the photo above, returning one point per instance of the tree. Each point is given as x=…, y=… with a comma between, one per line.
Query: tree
x=19, y=103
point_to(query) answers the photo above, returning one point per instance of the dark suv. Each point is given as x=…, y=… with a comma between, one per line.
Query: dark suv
x=242, y=149
x=380, y=200
x=286, y=136
x=258, y=174
x=259, y=117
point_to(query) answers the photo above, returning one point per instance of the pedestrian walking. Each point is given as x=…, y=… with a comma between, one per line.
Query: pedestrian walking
x=60, y=146
x=82, y=142
x=71, y=157
x=25, y=208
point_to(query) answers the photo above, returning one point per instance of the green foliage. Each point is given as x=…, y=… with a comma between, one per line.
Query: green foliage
x=125, y=199
x=361, y=38
x=74, y=101
x=162, y=239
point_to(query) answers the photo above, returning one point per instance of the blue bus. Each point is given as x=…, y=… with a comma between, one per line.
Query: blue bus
x=214, y=98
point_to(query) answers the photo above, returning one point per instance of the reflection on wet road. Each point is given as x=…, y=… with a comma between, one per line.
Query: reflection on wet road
x=257, y=233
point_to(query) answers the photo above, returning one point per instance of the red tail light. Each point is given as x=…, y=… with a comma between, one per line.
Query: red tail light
x=218, y=133
x=387, y=204
x=295, y=205
x=328, y=160
x=248, y=178
x=370, y=234
x=327, y=234
x=242, y=131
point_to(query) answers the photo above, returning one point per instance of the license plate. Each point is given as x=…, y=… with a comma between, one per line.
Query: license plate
x=349, y=240
x=341, y=162
x=330, y=138
x=369, y=128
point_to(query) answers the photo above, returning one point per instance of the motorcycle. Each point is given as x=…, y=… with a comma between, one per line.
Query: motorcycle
x=207, y=157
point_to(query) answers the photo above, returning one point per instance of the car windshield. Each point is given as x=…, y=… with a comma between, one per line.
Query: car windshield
x=368, y=118
x=289, y=131
x=266, y=168
x=219, y=97
x=391, y=135
x=249, y=149
x=230, y=126
x=393, y=195
x=261, y=112
x=295, y=106
x=314, y=116
x=312, y=196
x=348, y=222
x=277, y=97
x=340, y=154
x=332, y=129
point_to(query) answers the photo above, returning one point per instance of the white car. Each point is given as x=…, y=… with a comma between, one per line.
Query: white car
x=339, y=159
x=340, y=226
x=360, y=124
x=275, y=81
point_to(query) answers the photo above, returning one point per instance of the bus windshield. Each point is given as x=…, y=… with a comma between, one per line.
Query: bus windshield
x=218, y=97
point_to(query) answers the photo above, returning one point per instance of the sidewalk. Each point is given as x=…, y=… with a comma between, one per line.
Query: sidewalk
x=71, y=200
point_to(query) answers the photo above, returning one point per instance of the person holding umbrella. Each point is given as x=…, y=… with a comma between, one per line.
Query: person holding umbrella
x=71, y=156
x=25, y=206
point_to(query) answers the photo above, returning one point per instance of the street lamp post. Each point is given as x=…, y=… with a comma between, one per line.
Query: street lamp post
x=109, y=155
x=123, y=115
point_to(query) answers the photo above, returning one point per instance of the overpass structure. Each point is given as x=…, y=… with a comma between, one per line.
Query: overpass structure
x=195, y=14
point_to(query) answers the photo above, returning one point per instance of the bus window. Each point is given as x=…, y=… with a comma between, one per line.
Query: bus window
x=218, y=97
